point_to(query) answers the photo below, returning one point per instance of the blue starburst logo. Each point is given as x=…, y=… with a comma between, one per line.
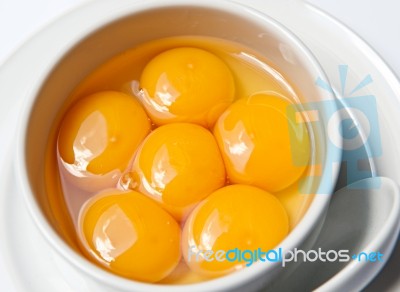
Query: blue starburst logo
x=343, y=74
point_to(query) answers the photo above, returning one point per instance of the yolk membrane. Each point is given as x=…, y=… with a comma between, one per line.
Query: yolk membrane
x=186, y=85
x=130, y=235
x=101, y=132
x=236, y=217
x=262, y=142
x=178, y=165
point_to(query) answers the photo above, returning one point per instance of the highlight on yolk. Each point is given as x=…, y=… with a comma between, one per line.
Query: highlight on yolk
x=178, y=165
x=100, y=133
x=236, y=217
x=186, y=84
x=130, y=235
x=262, y=142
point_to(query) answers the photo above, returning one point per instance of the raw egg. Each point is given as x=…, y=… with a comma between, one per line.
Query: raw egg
x=98, y=137
x=178, y=165
x=130, y=235
x=262, y=142
x=231, y=220
x=186, y=84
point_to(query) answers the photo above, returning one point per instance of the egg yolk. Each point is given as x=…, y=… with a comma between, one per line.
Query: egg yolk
x=186, y=85
x=262, y=142
x=238, y=218
x=178, y=165
x=130, y=235
x=101, y=132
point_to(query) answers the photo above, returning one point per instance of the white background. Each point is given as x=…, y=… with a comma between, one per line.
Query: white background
x=376, y=21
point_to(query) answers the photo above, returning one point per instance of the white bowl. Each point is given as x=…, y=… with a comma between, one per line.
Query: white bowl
x=102, y=36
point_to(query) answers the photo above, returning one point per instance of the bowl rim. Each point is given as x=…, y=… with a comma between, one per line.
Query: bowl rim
x=315, y=211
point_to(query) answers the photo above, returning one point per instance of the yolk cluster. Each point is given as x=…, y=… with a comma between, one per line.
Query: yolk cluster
x=210, y=165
